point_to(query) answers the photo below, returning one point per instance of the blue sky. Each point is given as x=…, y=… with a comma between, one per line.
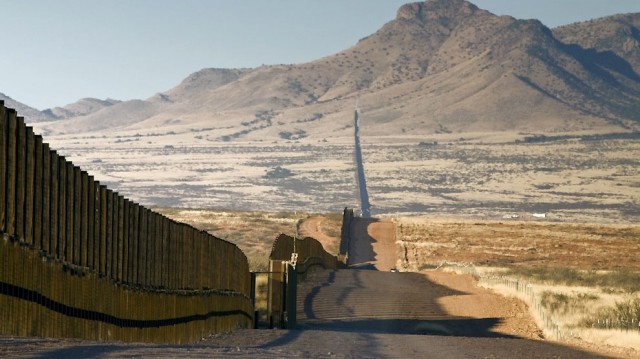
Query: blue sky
x=56, y=52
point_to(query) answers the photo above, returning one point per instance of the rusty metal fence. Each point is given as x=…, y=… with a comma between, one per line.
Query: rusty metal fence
x=283, y=276
x=79, y=260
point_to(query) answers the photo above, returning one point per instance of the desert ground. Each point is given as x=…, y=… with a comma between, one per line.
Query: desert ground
x=479, y=175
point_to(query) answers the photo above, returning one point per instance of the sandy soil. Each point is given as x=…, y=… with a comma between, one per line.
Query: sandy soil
x=372, y=244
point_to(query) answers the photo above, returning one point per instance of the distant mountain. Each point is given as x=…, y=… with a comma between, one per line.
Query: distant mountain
x=81, y=107
x=29, y=113
x=439, y=66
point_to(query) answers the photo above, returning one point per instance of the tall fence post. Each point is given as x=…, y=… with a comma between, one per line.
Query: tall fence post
x=21, y=180
x=38, y=193
x=29, y=185
x=3, y=165
x=292, y=295
x=11, y=171
x=52, y=209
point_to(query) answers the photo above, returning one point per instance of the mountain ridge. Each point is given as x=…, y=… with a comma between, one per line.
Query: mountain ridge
x=439, y=66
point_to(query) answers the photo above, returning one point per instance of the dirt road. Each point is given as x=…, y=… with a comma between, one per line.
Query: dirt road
x=310, y=227
x=372, y=244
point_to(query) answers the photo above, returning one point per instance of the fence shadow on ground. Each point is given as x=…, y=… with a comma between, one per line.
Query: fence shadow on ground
x=381, y=302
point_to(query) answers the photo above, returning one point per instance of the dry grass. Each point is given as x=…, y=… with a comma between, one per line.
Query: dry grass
x=262, y=300
x=585, y=275
x=332, y=226
x=253, y=232
x=609, y=281
x=430, y=241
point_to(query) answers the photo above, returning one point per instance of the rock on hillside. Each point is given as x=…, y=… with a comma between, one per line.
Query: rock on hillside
x=439, y=66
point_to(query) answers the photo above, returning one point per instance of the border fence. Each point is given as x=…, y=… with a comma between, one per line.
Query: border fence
x=285, y=271
x=79, y=260
x=345, y=235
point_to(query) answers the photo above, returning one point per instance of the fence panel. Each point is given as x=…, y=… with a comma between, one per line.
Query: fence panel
x=10, y=199
x=77, y=216
x=3, y=164
x=61, y=238
x=38, y=197
x=21, y=174
x=29, y=184
x=89, y=221
x=83, y=240
x=47, y=184
x=70, y=212
x=54, y=205
x=120, y=228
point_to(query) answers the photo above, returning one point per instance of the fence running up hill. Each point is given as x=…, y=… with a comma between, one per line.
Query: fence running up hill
x=79, y=260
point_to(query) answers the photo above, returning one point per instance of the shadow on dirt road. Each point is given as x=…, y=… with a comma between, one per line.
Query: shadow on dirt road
x=368, y=301
x=372, y=244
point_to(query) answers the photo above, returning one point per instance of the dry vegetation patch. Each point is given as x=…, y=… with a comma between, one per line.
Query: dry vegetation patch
x=427, y=242
x=485, y=175
x=586, y=276
x=253, y=232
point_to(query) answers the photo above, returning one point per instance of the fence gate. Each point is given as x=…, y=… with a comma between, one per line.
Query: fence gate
x=274, y=296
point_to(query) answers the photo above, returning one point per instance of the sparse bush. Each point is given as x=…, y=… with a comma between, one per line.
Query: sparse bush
x=296, y=135
x=624, y=315
x=428, y=143
x=278, y=172
x=258, y=263
x=561, y=303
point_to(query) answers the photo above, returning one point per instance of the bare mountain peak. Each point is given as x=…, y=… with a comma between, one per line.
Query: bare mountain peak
x=82, y=107
x=205, y=80
x=437, y=10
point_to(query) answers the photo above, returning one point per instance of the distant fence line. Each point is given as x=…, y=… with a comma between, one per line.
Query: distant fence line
x=79, y=260
x=345, y=237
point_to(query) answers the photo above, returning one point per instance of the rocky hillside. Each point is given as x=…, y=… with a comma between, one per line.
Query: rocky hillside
x=617, y=35
x=439, y=66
